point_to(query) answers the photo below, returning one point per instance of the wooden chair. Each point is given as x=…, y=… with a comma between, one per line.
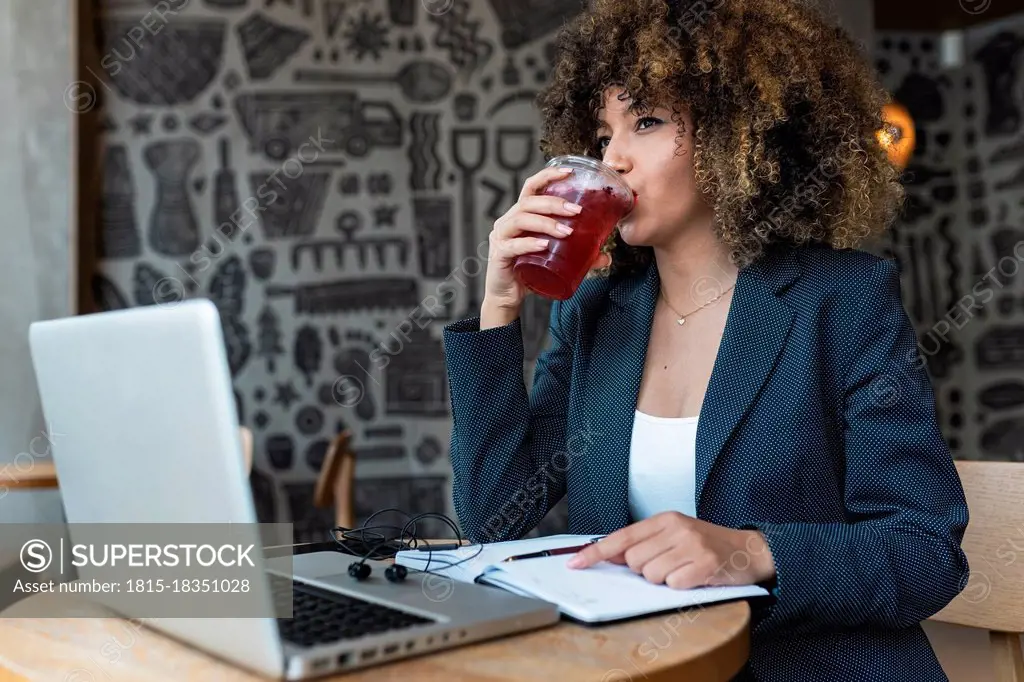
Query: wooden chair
x=334, y=485
x=40, y=475
x=994, y=544
x=246, y=447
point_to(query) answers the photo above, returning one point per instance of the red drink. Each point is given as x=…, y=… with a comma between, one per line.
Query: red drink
x=558, y=271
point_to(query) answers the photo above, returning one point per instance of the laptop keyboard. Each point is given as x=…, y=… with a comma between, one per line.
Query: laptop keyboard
x=321, y=616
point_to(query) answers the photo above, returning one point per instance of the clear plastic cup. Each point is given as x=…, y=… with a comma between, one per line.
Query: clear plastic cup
x=605, y=197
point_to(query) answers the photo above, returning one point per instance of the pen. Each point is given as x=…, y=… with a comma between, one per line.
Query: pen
x=550, y=552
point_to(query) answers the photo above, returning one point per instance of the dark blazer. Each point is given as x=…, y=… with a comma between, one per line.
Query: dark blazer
x=818, y=428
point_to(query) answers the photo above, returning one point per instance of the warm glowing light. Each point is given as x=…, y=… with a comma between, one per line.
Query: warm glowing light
x=897, y=134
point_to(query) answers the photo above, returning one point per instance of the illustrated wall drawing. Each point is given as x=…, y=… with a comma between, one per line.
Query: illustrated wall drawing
x=959, y=242
x=326, y=171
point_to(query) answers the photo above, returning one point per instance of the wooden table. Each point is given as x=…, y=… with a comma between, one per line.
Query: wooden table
x=39, y=475
x=700, y=644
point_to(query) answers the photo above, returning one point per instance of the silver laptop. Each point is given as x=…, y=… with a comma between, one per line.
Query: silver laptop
x=145, y=398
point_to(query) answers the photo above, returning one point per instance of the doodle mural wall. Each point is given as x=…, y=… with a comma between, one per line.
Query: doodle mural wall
x=960, y=233
x=326, y=171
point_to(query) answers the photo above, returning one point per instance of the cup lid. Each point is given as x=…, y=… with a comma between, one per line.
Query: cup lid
x=596, y=165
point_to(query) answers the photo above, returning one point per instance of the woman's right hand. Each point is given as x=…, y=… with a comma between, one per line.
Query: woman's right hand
x=523, y=229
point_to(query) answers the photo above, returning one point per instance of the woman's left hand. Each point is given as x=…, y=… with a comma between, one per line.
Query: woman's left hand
x=683, y=552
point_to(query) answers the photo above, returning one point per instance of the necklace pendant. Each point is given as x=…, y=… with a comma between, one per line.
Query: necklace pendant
x=680, y=321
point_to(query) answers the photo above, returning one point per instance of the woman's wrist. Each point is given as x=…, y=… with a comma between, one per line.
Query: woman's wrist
x=762, y=565
x=494, y=314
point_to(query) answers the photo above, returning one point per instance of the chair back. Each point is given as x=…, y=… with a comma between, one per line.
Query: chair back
x=994, y=544
x=336, y=482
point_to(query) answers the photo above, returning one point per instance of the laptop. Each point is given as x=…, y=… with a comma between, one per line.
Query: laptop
x=146, y=400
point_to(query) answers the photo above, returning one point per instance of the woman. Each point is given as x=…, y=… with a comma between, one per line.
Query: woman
x=737, y=396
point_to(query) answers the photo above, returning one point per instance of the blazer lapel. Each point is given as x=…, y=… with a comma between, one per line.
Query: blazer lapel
x=755, y=331
x=620, y=337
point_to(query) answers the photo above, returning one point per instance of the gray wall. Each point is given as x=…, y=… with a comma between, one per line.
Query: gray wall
x=409, y=178
x=36, y=265
x=36, y=195
x=961, y=224
x=856, y=16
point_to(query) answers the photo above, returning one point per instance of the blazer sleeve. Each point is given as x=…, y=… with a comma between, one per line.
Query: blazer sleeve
x=897, y=558
x=507, y=446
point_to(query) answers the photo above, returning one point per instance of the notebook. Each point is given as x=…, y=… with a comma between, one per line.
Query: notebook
x=604, y=592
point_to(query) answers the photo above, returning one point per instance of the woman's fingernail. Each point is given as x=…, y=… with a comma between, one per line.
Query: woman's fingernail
x=575, y=208
x=543, y=242
x=574, y=562
x=564, y=229
x=565, y=170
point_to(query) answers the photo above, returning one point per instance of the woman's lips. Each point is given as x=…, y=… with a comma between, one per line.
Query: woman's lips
x=636, y=199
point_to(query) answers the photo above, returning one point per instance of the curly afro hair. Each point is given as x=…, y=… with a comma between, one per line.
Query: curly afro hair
x=785, y=105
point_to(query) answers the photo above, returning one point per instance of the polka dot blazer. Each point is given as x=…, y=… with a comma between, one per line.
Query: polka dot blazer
x=818, y=428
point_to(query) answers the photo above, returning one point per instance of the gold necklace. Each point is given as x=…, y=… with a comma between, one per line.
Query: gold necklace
x=682, y=318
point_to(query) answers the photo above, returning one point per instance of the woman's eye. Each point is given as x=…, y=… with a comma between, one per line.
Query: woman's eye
x=647, y=121
x=641, y=124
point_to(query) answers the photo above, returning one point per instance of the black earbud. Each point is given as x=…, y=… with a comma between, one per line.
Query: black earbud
x=359, y=570
x=396, y=573
x=369, y=542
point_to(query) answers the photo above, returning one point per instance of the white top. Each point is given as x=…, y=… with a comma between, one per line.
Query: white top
x=662, y=465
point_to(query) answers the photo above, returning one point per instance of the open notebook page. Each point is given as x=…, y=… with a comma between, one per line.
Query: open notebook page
x=604, y=591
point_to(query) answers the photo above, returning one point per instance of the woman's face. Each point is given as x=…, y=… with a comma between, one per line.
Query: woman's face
x=656, y=161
